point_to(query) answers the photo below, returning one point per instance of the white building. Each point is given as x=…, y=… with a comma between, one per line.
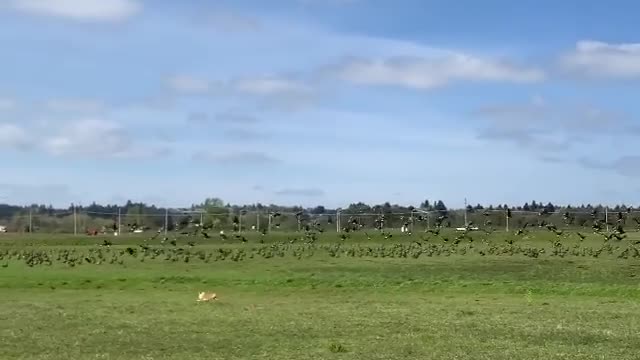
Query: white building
x=3, y=229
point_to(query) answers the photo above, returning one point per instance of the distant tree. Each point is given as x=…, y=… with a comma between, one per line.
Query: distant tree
x=440, y=207
x=216, y=213
x=318, y=210
x=549, y=208
x=359, y=207
x=213, y=202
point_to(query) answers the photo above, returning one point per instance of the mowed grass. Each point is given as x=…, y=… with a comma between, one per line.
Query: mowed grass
x=321, y=307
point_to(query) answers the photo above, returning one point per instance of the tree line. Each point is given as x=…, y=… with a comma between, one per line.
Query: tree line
x=216, y=213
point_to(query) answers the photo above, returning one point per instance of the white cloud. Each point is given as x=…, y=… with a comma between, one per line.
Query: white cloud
x=432, y=72
x=7, y=104
x=99, y=138
x=600, y=59
x=14, y=137
x=236, y=117
x=276, y=92
x=82, y=10
x=227, y=21
x=555, y=131
x=188, y=84
x=270, y=85
x=270, y=91
x=93, y=137
x=240, y=158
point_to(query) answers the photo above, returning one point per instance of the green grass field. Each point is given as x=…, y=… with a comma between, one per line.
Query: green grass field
x=406, y=297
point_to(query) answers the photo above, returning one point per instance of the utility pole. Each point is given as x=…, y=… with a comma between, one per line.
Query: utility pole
x=412, y=220
x=258, y=221
x=465, y=213
x=606, y=217
x=507, y=222
x=338, y=220
x=166, y=221
x=119, y=222
x=75, y=220
x=269, y=226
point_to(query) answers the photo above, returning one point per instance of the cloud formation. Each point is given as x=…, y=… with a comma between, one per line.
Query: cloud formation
x=538, y=116
x=80, y=10
x=187, y=84
x=601, y=59
x=240, y=158
x=94, y=138
x=14, y=137
x=270, y=85
x=550, y=130
x=224, y=20
x=432, y=72
x=230, y=117
x=628, y=166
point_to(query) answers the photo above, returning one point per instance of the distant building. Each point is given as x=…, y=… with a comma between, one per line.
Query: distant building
x=3, y=229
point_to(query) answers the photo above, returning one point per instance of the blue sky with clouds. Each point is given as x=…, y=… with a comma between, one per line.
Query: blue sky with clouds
x=319, y=101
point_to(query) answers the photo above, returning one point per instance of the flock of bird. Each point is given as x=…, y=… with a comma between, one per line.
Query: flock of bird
x=189, y=227
x=183, y=245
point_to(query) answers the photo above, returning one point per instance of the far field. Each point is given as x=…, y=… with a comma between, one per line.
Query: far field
x=291, y=296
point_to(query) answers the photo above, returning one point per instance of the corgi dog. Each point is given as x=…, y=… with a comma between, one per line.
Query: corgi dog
x=203, y=296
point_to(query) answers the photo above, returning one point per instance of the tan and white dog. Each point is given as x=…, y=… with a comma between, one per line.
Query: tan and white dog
x=204, y=296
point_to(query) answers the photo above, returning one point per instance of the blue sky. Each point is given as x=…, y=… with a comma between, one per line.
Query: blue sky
x=319, y=101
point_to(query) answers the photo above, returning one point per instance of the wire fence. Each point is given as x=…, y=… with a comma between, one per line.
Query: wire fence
x=81, y=221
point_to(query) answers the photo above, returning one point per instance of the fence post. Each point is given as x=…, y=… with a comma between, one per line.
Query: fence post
x=166, y=221
x=412, y=220
x=258, y=221
x=507, y=217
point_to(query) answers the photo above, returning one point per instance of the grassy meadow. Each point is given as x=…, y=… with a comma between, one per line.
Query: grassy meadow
x=291, y=296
